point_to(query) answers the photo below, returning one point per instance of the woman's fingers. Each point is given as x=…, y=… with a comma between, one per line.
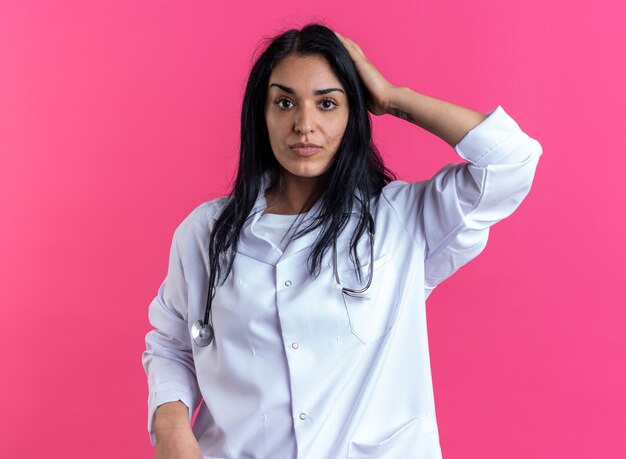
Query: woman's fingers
x=350, y=45
x=378, y=87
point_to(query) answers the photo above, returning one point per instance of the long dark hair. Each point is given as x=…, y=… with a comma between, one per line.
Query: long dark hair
x=356, y=175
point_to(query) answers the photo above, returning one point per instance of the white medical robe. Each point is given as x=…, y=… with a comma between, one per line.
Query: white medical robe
x=300, y=370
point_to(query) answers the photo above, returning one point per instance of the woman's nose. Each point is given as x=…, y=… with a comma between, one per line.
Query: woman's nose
x=303, y=124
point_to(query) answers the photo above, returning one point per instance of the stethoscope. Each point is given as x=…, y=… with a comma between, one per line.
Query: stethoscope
x=202, y=330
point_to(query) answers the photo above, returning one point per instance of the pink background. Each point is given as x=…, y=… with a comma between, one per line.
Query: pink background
x=119, y=117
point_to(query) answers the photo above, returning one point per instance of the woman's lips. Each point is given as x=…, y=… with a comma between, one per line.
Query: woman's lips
x=305, y=151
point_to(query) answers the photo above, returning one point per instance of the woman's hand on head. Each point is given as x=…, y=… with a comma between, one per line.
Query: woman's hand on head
x=379, y=89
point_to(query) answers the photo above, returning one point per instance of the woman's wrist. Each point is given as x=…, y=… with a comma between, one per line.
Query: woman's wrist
x=396, y=101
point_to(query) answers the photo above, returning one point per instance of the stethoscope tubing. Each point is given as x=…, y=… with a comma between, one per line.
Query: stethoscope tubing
x=202, y=331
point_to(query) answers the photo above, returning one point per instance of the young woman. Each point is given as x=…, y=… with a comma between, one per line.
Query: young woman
x=293, y=310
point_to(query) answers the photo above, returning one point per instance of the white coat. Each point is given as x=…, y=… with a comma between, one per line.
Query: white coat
x=300, y=370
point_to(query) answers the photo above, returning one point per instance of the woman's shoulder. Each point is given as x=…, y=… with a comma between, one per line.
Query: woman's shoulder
x=208, y=210
x=201, y=219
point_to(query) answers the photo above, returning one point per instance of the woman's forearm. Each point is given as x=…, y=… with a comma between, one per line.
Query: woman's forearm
x=448, y=121
x=171, y=418
x=175, y=438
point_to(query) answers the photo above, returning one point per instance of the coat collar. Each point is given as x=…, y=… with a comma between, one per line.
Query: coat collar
x=255, y=246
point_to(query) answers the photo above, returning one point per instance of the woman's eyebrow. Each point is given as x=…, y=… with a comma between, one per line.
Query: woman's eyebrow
x=317, y=92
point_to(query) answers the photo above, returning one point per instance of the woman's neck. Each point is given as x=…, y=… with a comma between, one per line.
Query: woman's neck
x=292, y=195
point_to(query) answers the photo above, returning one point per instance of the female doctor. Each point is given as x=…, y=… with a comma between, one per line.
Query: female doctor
x=293, y=311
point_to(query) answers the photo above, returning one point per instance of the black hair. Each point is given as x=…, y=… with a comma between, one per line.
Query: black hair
x=356, y=175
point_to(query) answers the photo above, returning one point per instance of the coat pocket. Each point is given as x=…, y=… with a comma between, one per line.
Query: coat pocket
x=417, y=439
x=371, y=314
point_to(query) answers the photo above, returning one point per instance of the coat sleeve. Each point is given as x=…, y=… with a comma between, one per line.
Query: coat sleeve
x=450, y=214
x=168, y=360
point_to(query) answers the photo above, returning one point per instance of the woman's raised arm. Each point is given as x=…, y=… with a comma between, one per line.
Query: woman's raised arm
x=448, y=121
x=452, y=212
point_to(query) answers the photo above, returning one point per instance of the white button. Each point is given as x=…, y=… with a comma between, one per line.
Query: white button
x=288, y=283
x=294, y=345
x=302, y=416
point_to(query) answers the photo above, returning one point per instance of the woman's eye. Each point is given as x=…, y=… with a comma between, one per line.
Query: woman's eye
x=328, y=104
x=283, y=103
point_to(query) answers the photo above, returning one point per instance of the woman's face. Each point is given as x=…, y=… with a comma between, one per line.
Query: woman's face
x=306, y=112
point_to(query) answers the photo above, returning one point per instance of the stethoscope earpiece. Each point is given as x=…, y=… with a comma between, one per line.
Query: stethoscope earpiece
x=202, y=333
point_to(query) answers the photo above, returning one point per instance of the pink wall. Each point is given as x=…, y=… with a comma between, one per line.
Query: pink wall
x=119, y=117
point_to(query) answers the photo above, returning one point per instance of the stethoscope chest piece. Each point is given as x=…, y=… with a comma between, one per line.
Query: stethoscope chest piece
x=202, y=333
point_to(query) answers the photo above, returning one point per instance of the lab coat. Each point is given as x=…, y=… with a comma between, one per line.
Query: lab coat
x=300, y=370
